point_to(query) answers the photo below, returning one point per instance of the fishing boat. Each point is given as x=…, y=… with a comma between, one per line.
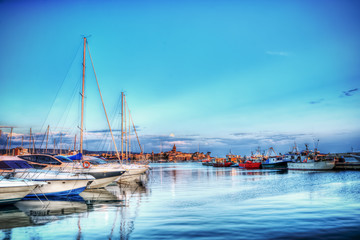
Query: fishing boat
x=250, y=165
x=59, y=183
x=274, y=161
x=316, y=162
x=13, y=190
x=206, y=162
x=221, y=162
x=311, y=165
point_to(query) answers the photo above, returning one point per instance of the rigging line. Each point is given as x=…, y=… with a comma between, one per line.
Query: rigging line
x=62, y=120
x=113, y=123
x=61, y=85
x=117, y=153
x=132, y=120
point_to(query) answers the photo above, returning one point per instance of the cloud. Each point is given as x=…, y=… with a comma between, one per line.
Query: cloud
x=172, y=135
x=278, y=53
x=104, y=131
x=349, y=92
x=317, y=101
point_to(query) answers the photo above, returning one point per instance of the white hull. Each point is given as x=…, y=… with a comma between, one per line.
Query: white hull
x=58, y=183
x=133, y=175
x=103, y=182
x=322, y=165
x=10, y=193
x=62, y=187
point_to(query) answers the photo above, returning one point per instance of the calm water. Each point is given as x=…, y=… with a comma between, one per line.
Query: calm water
x=191, y=201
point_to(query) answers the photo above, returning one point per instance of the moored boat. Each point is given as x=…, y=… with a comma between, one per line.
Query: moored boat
x=311, y=165
x=250, y=165
x=222, y=162
x=59, y=183
x=275, y=162
x=13, y=190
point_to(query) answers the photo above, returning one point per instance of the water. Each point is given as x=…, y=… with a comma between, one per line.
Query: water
x=191, y=201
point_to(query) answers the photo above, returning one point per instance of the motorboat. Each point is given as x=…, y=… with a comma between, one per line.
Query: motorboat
x=103, y=172
x=59, y=183
x=13, y=190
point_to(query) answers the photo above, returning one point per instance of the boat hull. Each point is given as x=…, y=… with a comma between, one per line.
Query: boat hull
x=227, y=164
x=315, y=166
x=250, y=165
x=278, y=165
x=60, y=188
x=133, y=175
x=347, y=166
x=13, y=194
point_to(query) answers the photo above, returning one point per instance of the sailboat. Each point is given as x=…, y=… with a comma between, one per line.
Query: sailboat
x=134, y=172
x=131, y=170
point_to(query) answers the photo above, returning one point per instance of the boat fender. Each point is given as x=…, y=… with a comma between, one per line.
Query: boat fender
x=86, y=164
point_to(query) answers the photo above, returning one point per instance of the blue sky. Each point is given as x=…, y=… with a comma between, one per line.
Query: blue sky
x=219, y=74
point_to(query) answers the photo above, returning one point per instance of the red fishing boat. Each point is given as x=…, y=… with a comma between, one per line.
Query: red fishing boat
x=221, y=162
x=250, y=165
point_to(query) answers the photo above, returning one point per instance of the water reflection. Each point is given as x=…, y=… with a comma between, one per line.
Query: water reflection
x=52, y=210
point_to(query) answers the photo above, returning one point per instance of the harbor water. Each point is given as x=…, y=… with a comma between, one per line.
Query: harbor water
x=191, y=201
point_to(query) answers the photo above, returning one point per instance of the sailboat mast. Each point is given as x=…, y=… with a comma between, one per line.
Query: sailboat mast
x=126, y=143
x=129, y=134
x=75, y=143
x=82, y=100
x=10, y=140
x=47, y=137
x=60, y=144
x=30, y=142
x=122, y=124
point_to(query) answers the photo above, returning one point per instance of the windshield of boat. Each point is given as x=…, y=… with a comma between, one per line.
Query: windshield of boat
x=64, y=159
x=94, y=160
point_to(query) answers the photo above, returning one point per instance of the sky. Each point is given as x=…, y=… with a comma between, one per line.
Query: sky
x=214, y=76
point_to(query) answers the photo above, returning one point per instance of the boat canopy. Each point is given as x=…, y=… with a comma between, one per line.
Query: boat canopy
x=75, y=157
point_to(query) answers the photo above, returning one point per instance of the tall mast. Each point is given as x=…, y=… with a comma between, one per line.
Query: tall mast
x=129, y=133
x=122, y=124
x=54, y=147
x=60, y=143
x=82, y=100
x=126, y=143
x=22, y=141
x=75, y=143
x=33, y=144
x=30, y=142
x=47, y=138
x=10, y=140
